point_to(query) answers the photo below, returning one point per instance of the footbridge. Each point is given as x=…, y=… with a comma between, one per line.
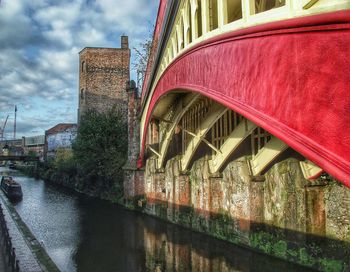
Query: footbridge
x=256, y=78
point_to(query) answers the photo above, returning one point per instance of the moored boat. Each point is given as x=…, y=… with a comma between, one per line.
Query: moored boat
x=11, y=188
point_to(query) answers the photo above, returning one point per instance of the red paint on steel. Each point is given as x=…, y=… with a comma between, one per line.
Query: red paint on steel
x=292, y=78
x=156, y=35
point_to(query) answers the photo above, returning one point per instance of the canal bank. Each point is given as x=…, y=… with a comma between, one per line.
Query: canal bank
x=291, y=245
x=29, y=252
x=81, y=233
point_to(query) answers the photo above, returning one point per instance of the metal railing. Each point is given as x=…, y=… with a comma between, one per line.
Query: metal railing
x=7, y=242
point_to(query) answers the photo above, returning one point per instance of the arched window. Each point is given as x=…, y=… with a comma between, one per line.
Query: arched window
x=83, y=66
x=82, y=94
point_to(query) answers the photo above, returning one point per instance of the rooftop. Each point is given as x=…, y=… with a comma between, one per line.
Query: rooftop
x=60, y=127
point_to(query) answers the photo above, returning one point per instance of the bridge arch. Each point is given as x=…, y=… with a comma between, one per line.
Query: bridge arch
x=287, y=97
x=172, y=108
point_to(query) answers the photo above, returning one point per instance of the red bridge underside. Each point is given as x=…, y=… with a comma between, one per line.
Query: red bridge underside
x=292, y=78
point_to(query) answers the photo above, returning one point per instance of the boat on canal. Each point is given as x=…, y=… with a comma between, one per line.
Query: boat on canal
x=11, y=188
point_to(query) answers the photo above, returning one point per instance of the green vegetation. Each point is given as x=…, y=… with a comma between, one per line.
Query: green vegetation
x=32, y=153
x=94, y=164
x=64, y=162
x=100, y=152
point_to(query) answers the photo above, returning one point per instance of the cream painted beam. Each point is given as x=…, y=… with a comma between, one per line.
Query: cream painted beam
x=246, y=9
x=192, y=19
x=310, y=170
x=180, y=110
x=222, y=12
x=205, y=16
x=241, y=132
x=187, y=23
x=204, y=140
x=266, y=155
x=211, y=117
x=153, y=150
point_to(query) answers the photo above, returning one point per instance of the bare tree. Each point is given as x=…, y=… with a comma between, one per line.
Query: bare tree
x=145, y=53
x=142, y=51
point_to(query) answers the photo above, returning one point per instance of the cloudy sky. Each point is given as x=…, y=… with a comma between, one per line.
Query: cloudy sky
x=39, y=45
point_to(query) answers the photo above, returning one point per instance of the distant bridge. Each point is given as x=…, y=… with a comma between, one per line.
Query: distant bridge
x=18, y=158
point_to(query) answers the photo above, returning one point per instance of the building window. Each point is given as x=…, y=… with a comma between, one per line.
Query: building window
x=83, y=66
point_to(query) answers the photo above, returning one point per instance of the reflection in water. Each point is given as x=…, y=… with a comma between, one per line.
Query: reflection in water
x=85, y=234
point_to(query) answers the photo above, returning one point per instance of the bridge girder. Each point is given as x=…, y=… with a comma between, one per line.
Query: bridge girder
x=310, y=170
x=245, y=128
x=237, y=136
x=215, y=112
x=181, y=109
x=266, y=155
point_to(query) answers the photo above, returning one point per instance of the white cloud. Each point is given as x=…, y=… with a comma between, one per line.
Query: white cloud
x=40, y=41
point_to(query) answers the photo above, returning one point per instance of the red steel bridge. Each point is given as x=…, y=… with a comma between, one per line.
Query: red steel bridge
x=252, y=77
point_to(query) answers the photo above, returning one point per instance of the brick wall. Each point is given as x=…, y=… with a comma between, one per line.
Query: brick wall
x=103, y=73
x=281, y=214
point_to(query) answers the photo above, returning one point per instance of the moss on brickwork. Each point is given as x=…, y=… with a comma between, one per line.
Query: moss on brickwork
x=308, y=254
x=284, y=196
x=161, y=210
x=184, y=216
x=200, y=223
x=337, y=206
x=285, y=208
x=221, y=226
x=331, y=265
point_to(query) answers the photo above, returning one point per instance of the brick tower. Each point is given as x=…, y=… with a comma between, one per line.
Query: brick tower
x=103, y=74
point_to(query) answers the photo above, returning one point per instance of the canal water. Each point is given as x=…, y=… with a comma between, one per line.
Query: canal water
x=84, y=234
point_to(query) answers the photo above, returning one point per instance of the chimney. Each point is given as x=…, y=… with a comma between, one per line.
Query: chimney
x=124, y=42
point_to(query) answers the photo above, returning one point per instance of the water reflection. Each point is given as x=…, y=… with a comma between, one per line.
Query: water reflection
x=84, y=234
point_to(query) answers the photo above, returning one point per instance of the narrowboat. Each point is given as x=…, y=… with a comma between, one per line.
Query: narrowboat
x=11, y=188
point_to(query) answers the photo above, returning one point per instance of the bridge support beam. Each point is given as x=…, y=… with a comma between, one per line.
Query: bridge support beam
x=181, y=109
x=237, y=136
x=266, y=155
x=310, y=170
x=212, y=116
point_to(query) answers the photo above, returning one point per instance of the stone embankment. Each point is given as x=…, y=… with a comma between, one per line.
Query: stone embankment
x=31, y=255
x=279, y=213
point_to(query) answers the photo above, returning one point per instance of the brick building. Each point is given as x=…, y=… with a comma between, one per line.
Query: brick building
x=103, y=74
